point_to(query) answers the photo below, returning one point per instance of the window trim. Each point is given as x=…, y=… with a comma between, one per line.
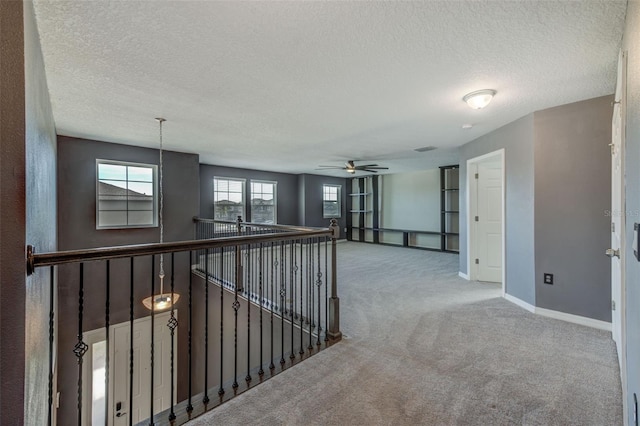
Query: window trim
x=339, y=201
x=153, y=167
x=275, y=197
x=244, y=194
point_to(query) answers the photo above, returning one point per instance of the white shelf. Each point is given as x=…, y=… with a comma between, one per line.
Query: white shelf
x=361, y=211
x=359, y=193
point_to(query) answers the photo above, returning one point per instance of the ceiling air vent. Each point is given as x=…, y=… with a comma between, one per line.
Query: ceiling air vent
x=425, y=149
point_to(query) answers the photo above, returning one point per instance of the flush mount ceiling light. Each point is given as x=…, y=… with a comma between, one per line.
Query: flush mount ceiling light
x=480, y=98
x=162, y=301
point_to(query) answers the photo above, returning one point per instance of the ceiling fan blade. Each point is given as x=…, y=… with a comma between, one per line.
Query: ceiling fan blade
x=351, y=168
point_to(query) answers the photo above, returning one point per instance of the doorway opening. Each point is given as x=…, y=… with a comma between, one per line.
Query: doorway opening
x=485, y=218
x=107, y=401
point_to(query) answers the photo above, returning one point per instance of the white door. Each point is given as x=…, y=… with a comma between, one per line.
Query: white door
x=119, y=410
x=617, y=211
x=489, y=222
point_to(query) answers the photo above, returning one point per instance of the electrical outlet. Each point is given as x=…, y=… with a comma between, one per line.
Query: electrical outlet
x=548, y=278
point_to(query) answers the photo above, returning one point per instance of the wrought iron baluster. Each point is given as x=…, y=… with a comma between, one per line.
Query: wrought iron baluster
x=309, y=249
x=131, y=343
x=190, y=336
x=310, y=281
x=80, y=349
x=326, y=289
x=294, y=291
x=236, y=306
x=151, y=355
x=107, y=321
x=205, y=399
x=173, y=323
x=319, y=285
x=249, y=295
x=283, y=293
x=51, y=340
x=272, y=301
x=310, y=304
x=301, y=299
x=222, y=270
x=260, y=262
x=292, y=280
x=248, y=291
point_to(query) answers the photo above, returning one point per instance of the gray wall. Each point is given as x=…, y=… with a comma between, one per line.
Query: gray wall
x=310, y=187
x=12, y=212
x=41, y=218
x=77, y=229
x=287, y=190
x=77, y=194
x=572, y=192
x=632, y=171
x=517, y=140
x=299, y=196
x=411, y=201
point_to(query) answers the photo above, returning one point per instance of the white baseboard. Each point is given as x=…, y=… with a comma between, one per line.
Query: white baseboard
x=563, y=316
x=576, y=319
x=520, y=303
x=463, y=275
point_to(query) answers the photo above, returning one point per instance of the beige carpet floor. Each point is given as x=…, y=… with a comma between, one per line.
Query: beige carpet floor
x=425, y=347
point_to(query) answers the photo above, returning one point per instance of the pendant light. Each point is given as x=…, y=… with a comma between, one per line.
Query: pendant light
x=161, y=301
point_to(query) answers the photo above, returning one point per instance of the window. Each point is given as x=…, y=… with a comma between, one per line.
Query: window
x=331, y=205
x=228, y=198
x=263, y=202
x=126, y=195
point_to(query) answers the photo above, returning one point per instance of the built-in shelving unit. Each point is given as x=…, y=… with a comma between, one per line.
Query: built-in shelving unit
x=363, y=209
x=449, y=208
x=364, y=220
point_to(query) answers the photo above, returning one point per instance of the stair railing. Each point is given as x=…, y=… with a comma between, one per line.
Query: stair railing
x=252, y=302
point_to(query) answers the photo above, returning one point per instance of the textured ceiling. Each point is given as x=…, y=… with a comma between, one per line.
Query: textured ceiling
x=287, y=86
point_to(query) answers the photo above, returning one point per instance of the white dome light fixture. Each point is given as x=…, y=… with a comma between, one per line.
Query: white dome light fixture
x=480, y=98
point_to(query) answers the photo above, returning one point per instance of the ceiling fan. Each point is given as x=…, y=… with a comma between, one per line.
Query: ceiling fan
x=350, y=167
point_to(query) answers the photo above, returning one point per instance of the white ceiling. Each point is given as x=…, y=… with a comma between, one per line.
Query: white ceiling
x=286, y=86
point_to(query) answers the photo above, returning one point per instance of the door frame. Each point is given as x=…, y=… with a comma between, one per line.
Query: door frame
x=620, y=97
x=472, y=210
x=97, y=335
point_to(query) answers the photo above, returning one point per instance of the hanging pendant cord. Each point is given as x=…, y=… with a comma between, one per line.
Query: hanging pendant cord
x=161, y=210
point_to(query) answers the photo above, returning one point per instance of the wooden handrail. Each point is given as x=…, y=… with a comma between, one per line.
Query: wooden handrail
x=56, y=258
x=197, y=219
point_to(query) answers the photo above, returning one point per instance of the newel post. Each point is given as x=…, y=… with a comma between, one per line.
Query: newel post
x=239, y=224
x=334, y=301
